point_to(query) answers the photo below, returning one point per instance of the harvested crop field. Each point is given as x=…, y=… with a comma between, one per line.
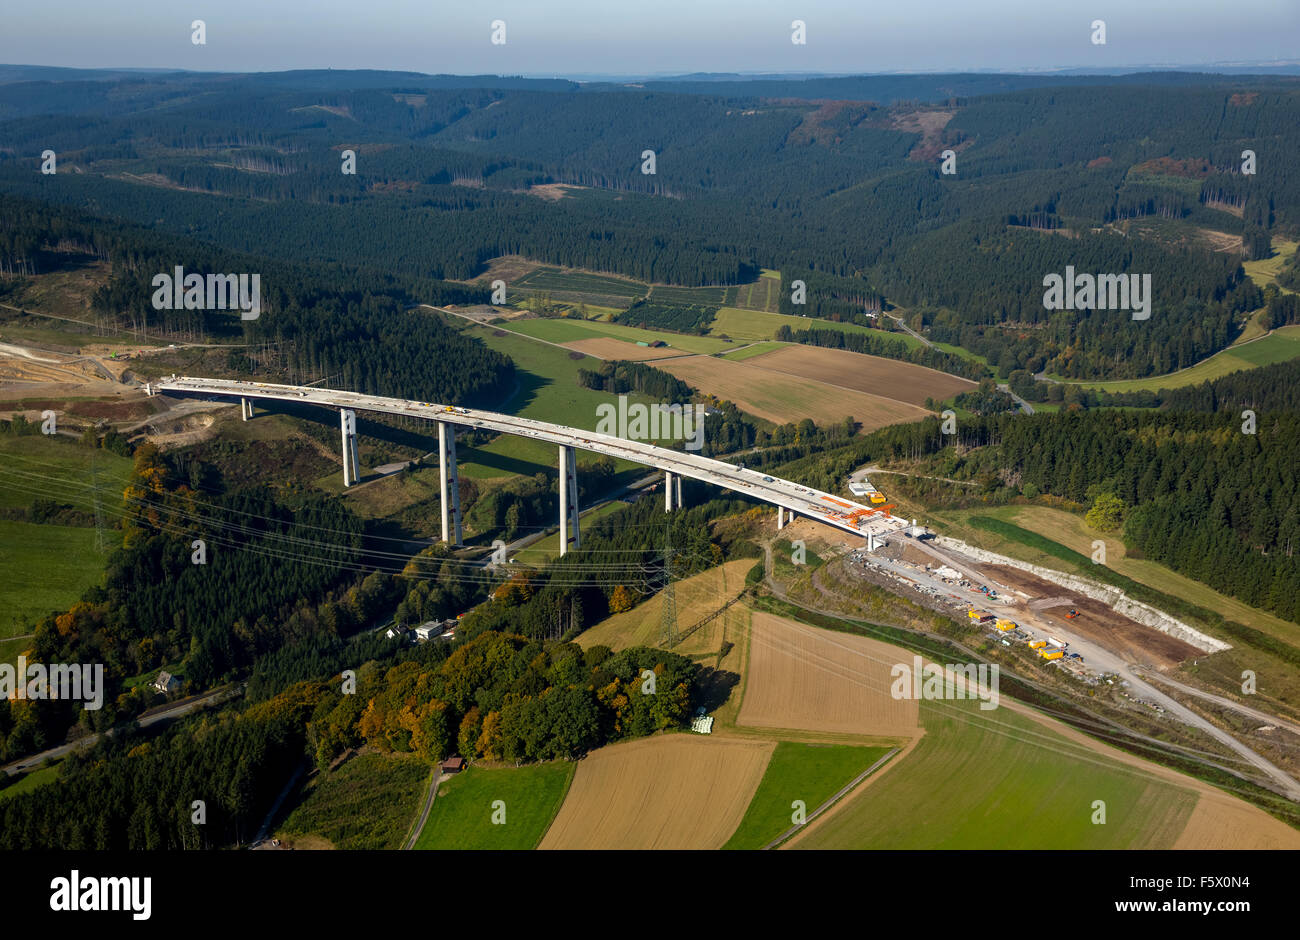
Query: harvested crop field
x=889, y=378
x=1113, y=631
x=610, y=348
x=1222, y=822
x=674, y=791
x=808, y=679
x=695, y=598
x=783, y=398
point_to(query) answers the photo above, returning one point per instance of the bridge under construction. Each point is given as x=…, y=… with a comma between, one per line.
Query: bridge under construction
x=870, y=522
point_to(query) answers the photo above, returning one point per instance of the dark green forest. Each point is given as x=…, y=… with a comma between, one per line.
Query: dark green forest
x=845, y=195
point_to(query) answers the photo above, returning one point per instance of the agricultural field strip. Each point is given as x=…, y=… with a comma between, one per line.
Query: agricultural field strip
x=1083, y=752
x=832, y=800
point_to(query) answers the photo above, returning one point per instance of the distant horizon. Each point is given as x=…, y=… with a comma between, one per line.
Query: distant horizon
x=1234, y=67
x=670, y=37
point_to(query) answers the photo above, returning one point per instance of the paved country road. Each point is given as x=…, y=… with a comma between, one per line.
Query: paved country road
x=151, y=717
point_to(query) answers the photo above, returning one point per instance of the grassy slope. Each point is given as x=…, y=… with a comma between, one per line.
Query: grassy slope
x=44, y=568
x=1002, y=780
x=808, y=772
x=30, y=781
x=366, y=803
x=461, y=817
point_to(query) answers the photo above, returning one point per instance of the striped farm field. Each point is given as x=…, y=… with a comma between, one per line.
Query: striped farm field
x=670, y=791
x=902, y=381
x=804, y=678
x=785, y=398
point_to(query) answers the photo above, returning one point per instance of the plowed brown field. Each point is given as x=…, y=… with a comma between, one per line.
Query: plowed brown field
x=606, y=347
x=675, y=791
x=783, y=398
x=901, y=381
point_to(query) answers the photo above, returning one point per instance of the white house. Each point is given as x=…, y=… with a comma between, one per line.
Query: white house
x=166, y=683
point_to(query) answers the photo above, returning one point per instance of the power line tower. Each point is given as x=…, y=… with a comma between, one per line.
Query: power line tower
x=668, y=613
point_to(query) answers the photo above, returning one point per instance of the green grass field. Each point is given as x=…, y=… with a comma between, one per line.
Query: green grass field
x=548, y=380
x=30, y=781
x=759, y=325
x=808, y=772
x=369, y=802
x=58, y=468
x=44, y=568
x=1279, y=346
x=1264, y=271
x=749, y=352
x=461, y=817
x=1000, y=780
x=568, y=331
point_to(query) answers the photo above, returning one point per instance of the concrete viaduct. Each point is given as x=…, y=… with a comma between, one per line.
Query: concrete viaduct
x=789, y=498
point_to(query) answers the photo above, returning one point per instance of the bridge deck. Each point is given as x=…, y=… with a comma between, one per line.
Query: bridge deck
x=824, y=507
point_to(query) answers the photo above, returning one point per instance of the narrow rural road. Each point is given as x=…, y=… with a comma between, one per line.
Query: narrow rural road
x=424, y=813
x=1024, y=405
x=911, y=332
x=835, y=798
x=166, y=712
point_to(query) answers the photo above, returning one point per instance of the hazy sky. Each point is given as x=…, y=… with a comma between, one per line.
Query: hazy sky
x=569, y=37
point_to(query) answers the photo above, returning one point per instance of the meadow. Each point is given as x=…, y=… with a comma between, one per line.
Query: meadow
x=462, y=813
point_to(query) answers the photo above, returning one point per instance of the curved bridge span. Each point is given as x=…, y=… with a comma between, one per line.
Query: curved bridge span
x=868, y=522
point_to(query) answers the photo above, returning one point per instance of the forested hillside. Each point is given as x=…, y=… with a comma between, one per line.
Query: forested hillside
x=1132, y=175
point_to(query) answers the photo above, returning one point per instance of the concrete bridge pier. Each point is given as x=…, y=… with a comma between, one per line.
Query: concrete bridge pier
x=780, y=517
x=450, y=482
x=245, y=408
x=668, y=491
x=568, y=499
x=351, y=466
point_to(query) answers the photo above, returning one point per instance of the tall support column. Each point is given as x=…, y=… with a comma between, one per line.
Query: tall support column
x=245, y=409
x=780, y=517
x=450, y=482
x=564, y=499
x=351, y=465
x=568, y=499
x=677, y=497
x=668, y=491
x=573, y=498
